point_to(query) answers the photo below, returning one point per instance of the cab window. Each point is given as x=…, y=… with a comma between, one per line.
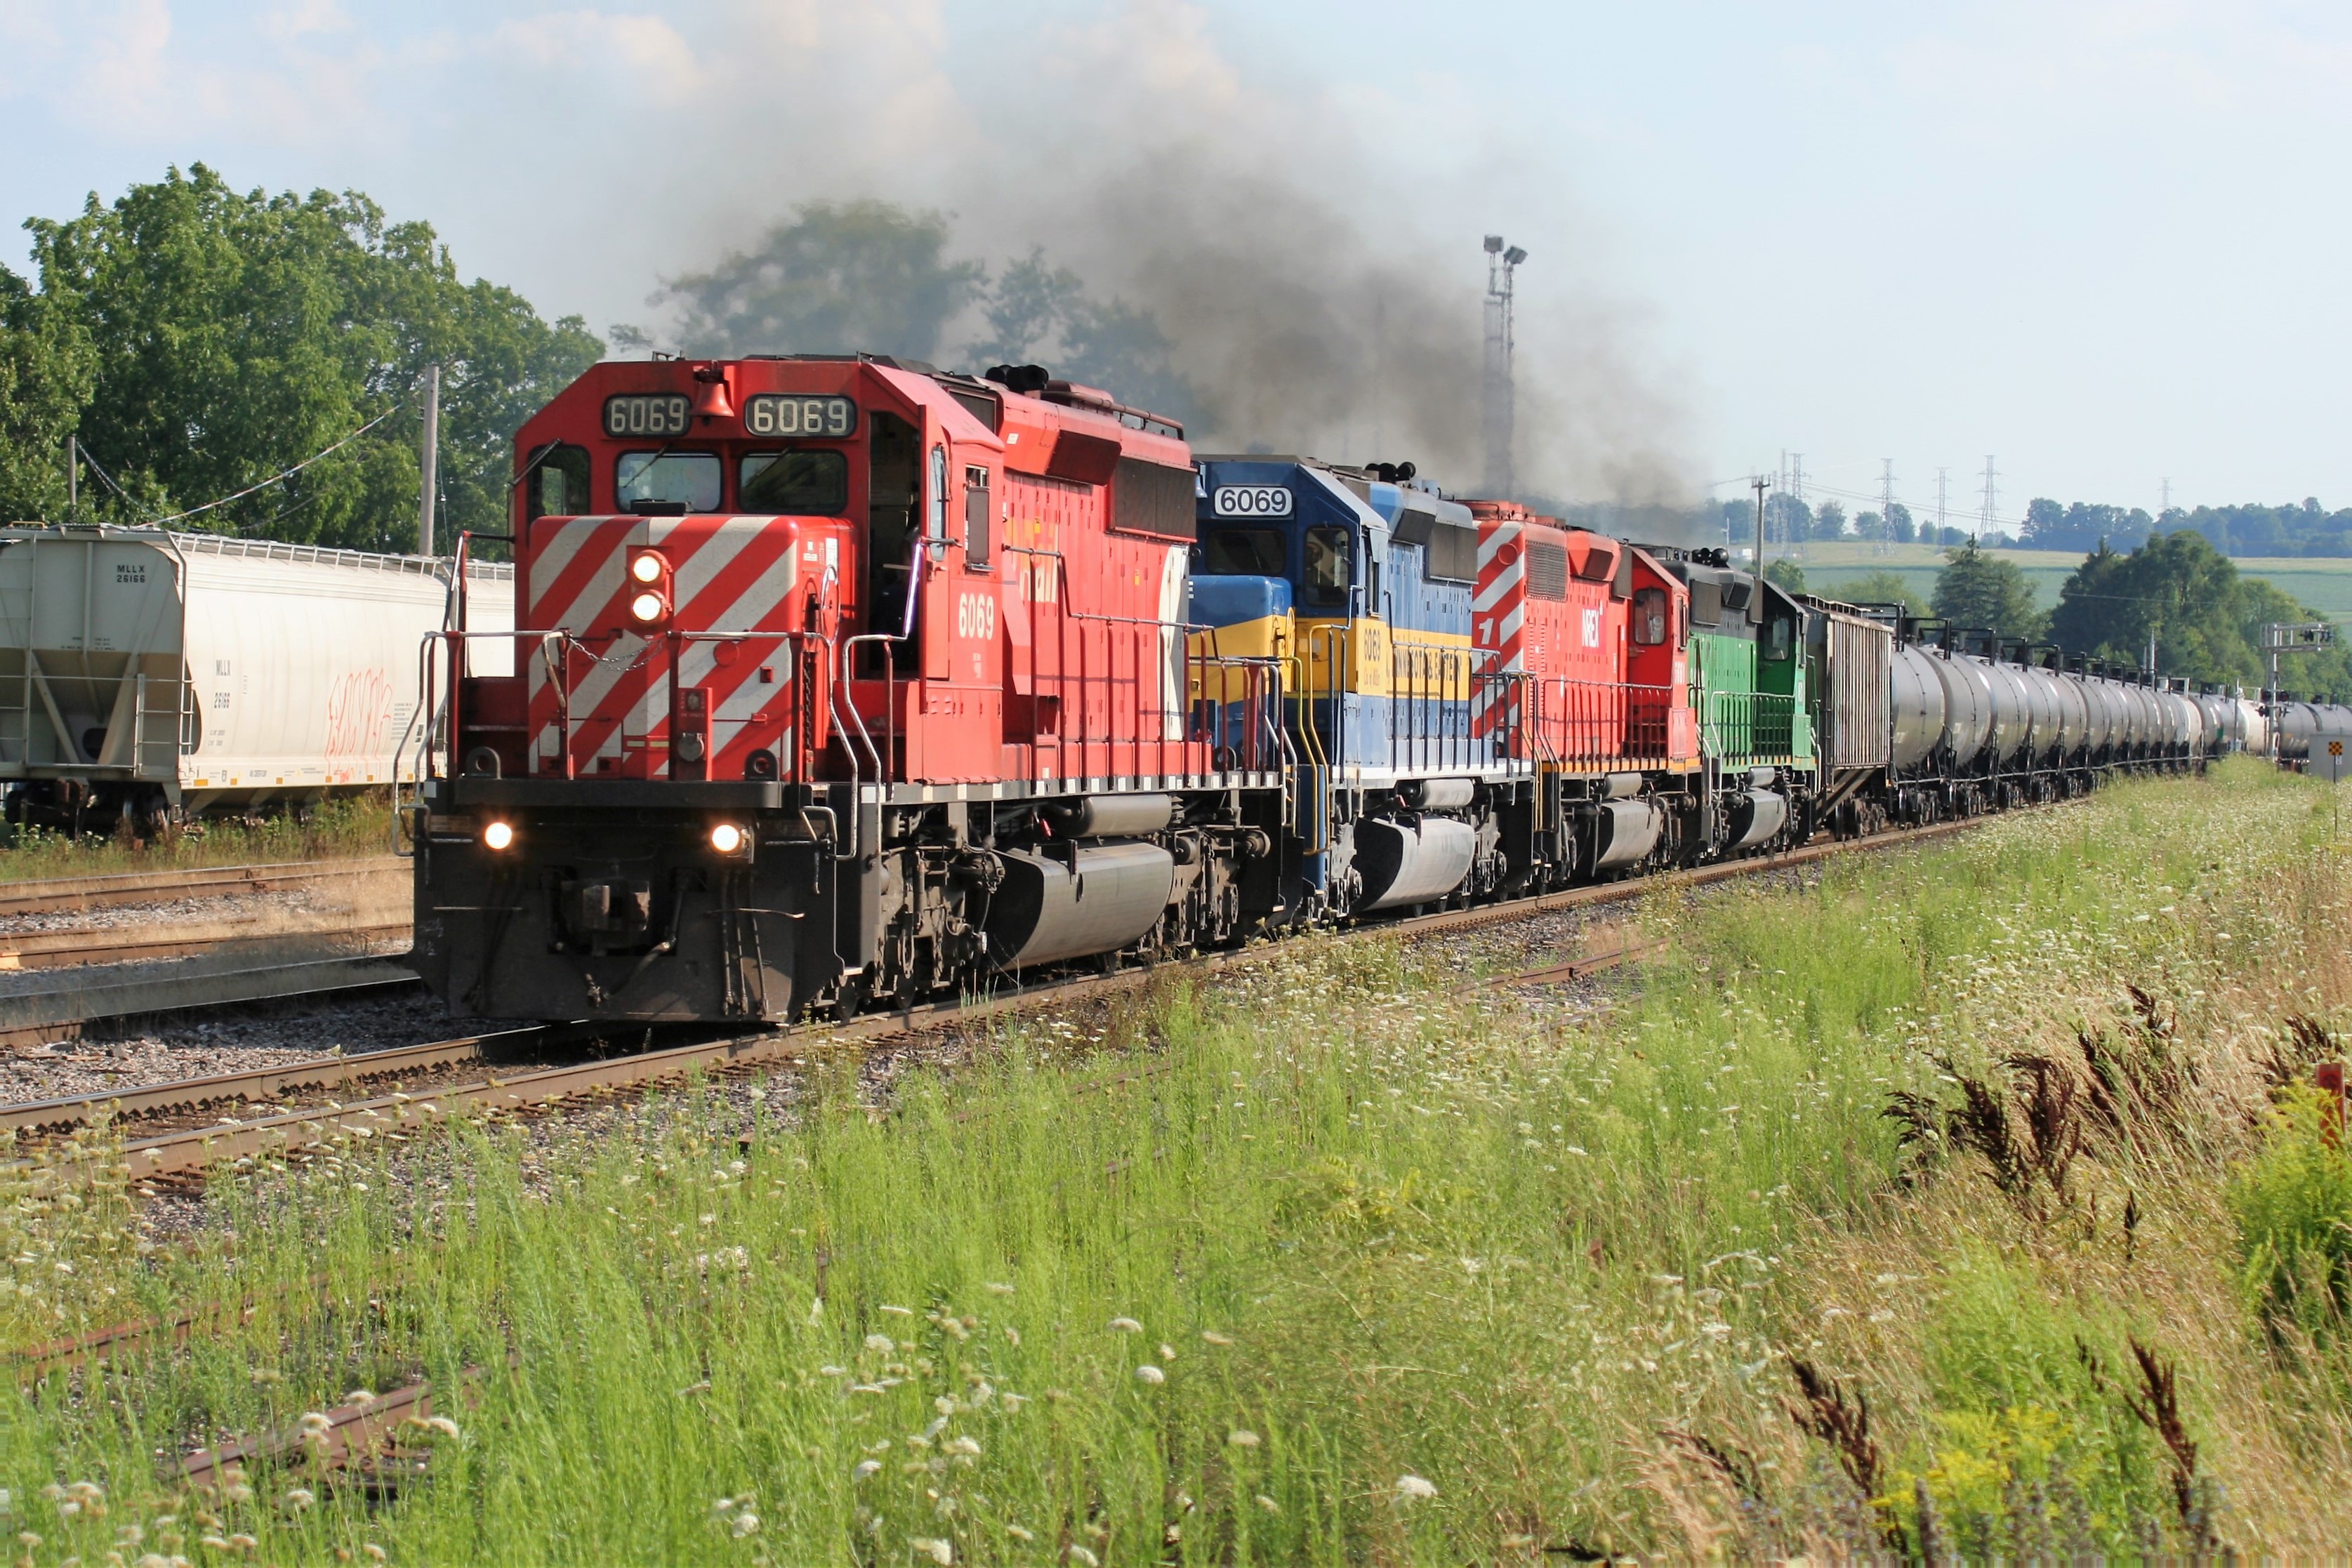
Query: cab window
x=557, y=483
x=800, y=484
x=1330, y=554
x=1240, y=553
x=687, y=478
x=1649, y=616
x=1779, y=638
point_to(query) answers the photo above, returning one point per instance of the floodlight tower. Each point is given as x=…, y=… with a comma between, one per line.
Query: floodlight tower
x=1502, y=261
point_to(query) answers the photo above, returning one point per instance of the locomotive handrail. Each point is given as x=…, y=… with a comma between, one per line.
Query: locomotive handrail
x=444, y=715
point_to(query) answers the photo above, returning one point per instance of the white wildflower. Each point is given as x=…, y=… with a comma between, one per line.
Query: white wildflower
x=1411, y=1485
x=1242, y=1439
x=1125, y=1325
x=939, y=1552
x=1148, y=1373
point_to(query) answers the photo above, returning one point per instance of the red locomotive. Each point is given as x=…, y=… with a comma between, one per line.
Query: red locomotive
x=840, y=679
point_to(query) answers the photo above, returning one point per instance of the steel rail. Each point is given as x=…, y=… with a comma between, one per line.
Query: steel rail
x=80, y=893
x=261, y=1085
x=186, y=1155
x=34, y=1016
x=149, y=943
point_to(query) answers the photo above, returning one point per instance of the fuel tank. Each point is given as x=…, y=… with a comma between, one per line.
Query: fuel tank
x=1629, y=831
x=1102, y=898
x=1756, y=816
x=1406, y=862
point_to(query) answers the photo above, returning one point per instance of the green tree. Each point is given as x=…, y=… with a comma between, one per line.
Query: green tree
x=233, y=336
x=2206, y=619
x=839, y=278
x=47, y=367
x=1023, y=310
x=1878, y=587
x=1042, y=312
x=1785, y=573
x=1974, y=589
x=1829, y=523
x=1899, y=526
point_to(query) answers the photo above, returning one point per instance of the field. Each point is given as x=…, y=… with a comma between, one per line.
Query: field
x=2325, y=583
x=1880, y=1213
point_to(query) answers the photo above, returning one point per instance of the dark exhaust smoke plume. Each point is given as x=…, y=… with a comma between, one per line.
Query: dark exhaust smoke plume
x=1253, y=271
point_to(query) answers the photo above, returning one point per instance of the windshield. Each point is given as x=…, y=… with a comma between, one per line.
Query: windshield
x=803, y=484
x=1328, y=575
x=1242, y=552
x=691, y=477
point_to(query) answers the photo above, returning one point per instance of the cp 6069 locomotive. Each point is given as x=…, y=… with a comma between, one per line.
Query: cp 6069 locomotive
x=844, y=682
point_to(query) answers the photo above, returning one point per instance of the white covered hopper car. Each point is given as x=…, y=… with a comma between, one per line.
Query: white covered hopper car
x=155, y=676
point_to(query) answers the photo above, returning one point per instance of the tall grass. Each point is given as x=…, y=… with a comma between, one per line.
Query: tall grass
x=334, y=830
x=1334, y=1262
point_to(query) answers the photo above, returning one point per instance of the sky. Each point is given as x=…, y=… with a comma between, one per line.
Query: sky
x=2097, y=241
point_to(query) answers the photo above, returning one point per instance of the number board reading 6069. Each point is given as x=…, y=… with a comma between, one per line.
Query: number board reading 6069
x=821, y=418
x=645, y=414
x=1252, y=501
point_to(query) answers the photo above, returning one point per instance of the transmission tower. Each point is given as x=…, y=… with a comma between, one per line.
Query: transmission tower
x=1943, y=496
x=1984, y=520
x=1502, y=262
x=1886, y=502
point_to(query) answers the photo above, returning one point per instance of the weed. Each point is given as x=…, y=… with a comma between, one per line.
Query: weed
x=2157, y=1407
x=1824, y=1412
x=2294, y=1207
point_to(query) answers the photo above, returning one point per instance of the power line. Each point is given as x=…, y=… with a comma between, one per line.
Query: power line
x=283, y=473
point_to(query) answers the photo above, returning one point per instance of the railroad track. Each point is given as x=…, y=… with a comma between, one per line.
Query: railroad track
x=149, y=943
x=211, y=963
x=86, y=892
x=180, y=1157
x=267, y=1085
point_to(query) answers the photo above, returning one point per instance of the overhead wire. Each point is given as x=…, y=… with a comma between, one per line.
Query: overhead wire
x=283, y=473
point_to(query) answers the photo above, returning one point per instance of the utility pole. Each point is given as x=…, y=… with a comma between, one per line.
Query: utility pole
x=1756, y=601
x=1797, y=494
x=1984, y=521
x=73, y=479
x=430, y=459
x=1502, y=263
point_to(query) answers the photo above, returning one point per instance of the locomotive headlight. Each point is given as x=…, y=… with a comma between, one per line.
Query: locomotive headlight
x=647, y=607
x=498, y=836
x=646, y=568
x=727, y=838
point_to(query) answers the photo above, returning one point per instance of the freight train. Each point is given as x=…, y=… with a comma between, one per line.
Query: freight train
x=147, y=676
x=840, y=681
